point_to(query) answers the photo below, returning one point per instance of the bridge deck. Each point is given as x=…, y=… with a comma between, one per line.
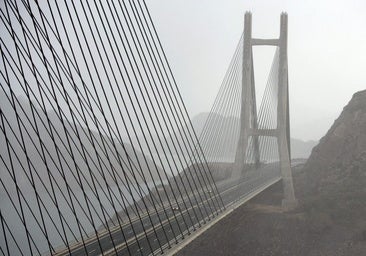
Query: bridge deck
x=228, y=210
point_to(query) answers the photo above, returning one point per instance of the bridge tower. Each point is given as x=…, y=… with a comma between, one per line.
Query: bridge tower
x=248, y=115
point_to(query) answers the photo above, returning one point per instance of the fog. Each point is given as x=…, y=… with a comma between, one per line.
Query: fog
x=96, y=143
x=326, y=51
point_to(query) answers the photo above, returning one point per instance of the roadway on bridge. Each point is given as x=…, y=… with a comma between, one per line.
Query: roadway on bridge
x=172, y=230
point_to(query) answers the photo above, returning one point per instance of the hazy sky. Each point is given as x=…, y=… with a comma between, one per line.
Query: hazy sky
x=326, y=49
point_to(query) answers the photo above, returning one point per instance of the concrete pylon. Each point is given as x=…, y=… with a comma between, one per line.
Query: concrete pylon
x=248, y=115
x=283, y=120
x=247, y=99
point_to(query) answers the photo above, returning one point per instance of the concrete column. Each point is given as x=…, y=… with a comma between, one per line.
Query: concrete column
x=254, y=120
x=246, y=98
x=283, y=128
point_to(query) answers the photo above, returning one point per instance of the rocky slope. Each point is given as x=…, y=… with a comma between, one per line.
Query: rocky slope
x=340, y=155
x=335, y=175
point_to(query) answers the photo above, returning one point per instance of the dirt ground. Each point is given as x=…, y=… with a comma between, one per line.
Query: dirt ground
x=260, y=227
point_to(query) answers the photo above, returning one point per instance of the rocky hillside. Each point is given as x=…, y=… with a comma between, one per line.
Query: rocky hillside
x=334, y=189
x=341, y=153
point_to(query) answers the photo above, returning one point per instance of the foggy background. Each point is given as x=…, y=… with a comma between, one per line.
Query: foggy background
x=326, y=51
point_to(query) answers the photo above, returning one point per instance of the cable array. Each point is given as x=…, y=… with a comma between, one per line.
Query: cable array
x=220, y=134
x=98, y=152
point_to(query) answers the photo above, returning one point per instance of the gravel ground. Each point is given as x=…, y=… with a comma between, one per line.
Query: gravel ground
x=260, y=227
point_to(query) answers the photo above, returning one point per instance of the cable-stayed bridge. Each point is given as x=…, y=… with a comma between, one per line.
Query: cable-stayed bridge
x=98, y=154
